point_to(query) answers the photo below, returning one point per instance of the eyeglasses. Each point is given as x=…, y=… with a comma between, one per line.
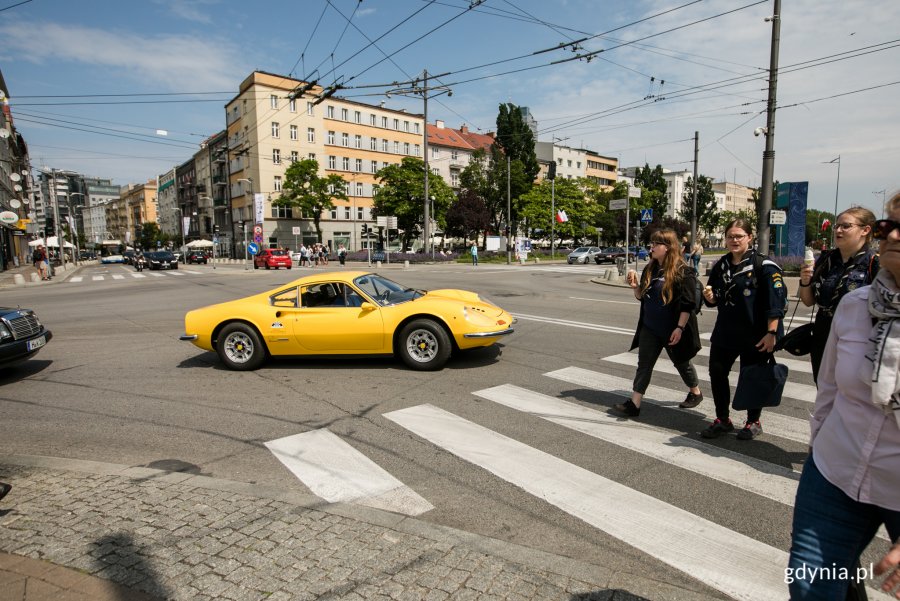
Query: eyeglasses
x=845, y=226
x=884, y=227
x=736, y=237
x=653, y=243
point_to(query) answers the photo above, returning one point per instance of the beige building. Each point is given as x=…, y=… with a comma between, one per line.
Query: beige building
x=737, y=197
x=268, y=128
x=136, y=205
x=600, y=169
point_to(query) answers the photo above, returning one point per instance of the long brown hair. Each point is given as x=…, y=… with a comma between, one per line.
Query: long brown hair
x=865, y=217
x=672, y=266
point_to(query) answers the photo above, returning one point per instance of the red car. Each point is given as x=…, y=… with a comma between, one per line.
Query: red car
x=272, y=257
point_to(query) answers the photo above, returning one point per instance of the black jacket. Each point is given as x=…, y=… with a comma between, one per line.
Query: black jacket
x=683, y=300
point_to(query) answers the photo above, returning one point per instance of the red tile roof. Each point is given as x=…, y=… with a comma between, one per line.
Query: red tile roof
x=458, y=138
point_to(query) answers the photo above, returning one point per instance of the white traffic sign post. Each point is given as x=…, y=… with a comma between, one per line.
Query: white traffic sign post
x=777, y=217
x=625, y=203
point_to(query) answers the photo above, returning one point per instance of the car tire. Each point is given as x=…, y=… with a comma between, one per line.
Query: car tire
x=255, y=265
x=289, y=266
x=424, y=345
x=268, y=266
x=240, y=347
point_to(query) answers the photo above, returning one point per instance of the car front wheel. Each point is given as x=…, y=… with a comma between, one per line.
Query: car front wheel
x=240, y=347
x=424, y=345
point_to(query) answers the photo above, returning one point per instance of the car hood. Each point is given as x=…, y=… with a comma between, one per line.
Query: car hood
x=463, y=296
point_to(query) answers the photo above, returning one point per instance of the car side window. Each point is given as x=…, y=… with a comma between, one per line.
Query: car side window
x=286, y=298
x=330, y=294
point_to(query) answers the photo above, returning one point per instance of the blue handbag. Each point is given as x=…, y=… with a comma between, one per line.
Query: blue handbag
x=760, y=385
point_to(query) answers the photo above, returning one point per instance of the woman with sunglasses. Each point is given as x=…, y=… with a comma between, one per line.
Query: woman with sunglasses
x=850, y=265
x=850, y=482
x=748, y=290
x=667, y=290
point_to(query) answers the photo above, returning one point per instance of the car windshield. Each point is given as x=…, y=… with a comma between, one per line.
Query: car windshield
x=385, y=292
x=278, y=252
x=581, y=249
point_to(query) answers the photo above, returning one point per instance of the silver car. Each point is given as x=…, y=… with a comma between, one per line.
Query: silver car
x=582, y=254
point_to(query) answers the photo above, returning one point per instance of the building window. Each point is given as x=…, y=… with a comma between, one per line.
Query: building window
x=434, y=152
x=358, y=165
x=406, y=148
x=310, y=134
x=384, y=121
x=273, y=101
x=416, y=127
x=406, y=126
x=384, y=145
x=309, y=108
x=344, y=114
x=435, y=170
x=334, y=213
x=357, y=141
x=373, y=144
x=276, y=156
x=454, y=155
x=345, y=163
x=345, y=140
x=292, y=105
x=359, y=189
x=396, y=124
x=282, y=213
x=274, y=129
x=329, y=112
x=374, y=167
x=330, y=138
x=454, y=179
x=360, y=215
x=357, y=117
x=347, y=213
x=418, y=150
x=295, y=156
x=294, y=133
x=569, y=161
x=332, y=161
x=372, y=119
x=396, y=147
x=276, y=185
x=311, y=156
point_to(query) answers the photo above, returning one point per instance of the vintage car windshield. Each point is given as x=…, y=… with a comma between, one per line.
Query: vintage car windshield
x=384, y=291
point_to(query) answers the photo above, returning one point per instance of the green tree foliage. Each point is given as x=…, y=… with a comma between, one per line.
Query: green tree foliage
x=535, y=207
x=468, y=216
x=707, y=213
x=516, y=140
x=486, y=176
x=151, y=234
x=815, y=235
x=312, y=194
x=401, y=193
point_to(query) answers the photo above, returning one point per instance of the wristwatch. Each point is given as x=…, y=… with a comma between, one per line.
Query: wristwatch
x=773, y=332
x=680, y=327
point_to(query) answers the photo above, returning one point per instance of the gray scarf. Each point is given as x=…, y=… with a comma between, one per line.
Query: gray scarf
x=884, y=306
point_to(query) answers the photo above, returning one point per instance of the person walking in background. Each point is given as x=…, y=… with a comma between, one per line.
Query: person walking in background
x=41, y=262
x=850, y=482
x=686, y=250
x=667, y=290
x=342, y=255
x=696, y=254
x=474, y=251
x=850, y=265
x=749, y=291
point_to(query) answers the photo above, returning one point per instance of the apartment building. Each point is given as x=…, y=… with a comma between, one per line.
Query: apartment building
x=572, y=163
x=270, y=124
x=736, y=197
x=450, y=150
x=600, y=169
x=136, y=205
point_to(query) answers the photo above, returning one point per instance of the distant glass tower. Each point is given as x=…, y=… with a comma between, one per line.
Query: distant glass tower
x=529, y=120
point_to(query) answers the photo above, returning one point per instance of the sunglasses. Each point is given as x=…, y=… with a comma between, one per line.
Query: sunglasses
x=883, y=228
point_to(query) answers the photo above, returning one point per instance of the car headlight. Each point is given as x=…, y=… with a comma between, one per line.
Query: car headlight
x=4, y=331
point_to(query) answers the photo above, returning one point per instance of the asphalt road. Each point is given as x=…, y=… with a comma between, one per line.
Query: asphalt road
x=116, y=384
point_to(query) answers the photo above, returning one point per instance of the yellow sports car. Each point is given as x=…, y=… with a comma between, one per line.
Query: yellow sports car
x=347, y=313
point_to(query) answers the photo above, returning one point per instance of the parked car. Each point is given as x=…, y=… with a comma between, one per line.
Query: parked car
x=609, y=255
x=197, y=256
x=582, y=254
x=347, y=313
x=161, y=259
x=272, y=257
x=22, y=335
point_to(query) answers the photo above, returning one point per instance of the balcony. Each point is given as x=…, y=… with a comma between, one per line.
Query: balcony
x=220, y=202
x=219, y=180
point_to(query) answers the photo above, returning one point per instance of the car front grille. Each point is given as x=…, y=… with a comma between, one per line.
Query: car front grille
x=25, y=326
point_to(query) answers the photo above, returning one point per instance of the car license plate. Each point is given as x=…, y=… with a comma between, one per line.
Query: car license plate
x=36, y=343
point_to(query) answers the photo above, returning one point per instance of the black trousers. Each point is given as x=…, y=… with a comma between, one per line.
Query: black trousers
x=721, y=359
x=821, y=328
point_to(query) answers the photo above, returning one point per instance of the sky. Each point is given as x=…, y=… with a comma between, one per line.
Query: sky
x=127, y=90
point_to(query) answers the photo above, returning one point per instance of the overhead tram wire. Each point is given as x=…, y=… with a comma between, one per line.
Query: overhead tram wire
x=97, y=127
x=159, y=142
x=341, y=37
x=308, y=41
x=42, y=114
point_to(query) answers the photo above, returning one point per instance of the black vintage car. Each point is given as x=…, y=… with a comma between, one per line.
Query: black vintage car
x=161, y=259
x=22, y=335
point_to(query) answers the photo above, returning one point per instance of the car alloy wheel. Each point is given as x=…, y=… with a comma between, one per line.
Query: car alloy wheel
x=240, y=348
x=425, y=345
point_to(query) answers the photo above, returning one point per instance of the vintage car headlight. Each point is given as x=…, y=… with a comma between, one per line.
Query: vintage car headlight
x=4, y=331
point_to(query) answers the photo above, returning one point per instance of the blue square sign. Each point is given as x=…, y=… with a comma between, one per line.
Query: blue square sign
x=646, y=215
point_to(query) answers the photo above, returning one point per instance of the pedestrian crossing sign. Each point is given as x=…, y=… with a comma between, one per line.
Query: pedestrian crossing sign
x=646, y=215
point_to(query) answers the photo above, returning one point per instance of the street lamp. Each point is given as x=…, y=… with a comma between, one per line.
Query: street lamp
x=883, y=199
x=75, y=223
x=837, y=188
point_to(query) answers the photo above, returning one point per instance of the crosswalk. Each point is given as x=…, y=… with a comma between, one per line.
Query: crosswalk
x=137, y=275
x=689, y=543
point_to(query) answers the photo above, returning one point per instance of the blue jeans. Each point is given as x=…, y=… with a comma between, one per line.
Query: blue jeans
x=830, y=531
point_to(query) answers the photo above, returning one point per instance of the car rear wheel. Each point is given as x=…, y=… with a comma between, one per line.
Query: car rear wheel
x=255, y=265
x=424, y=345
x=240, y=348
x=268, y=266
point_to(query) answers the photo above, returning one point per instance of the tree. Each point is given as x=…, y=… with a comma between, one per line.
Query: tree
x=151, y=234
x=486, y=176
x=401, y=193
x=535, y=207
x=707, y=212
x=312, y=194
x=516, y=140
x=468, y=216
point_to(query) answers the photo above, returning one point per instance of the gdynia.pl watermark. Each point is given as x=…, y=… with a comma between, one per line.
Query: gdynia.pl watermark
x=812, y=574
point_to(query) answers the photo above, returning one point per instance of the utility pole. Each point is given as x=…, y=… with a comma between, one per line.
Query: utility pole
x=696, y=186
x=768, y=167
x=60, y=248
x=508, y=212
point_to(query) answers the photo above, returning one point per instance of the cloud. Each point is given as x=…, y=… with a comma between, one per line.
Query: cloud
x=192, y=10
x=365, y=12
x=166, y=62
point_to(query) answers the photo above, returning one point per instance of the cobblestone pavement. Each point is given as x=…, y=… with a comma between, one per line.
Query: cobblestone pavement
x=180, y=536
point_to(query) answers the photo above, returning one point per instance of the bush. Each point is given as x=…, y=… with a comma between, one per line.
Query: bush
x=362, y=256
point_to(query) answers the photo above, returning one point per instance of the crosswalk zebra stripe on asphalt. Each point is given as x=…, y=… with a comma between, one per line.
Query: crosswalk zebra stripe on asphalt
x=696, y=546
x=769, y=480
x=76, y=279
x=98, y=278
x=776, y=424
x=176, y=273
x=794, y=365
x=117, y=276
x=138, y=275
x=575, y=324
x=157, y=275
x=800, y=392
x=337, y=472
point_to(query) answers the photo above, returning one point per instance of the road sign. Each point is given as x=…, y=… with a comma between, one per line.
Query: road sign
x=634, y=192
x=618, y=203
x=296, y=230
x=257, y=230
x=646, y=215
x=215, y=239
x=777, y=217
x=252, y=248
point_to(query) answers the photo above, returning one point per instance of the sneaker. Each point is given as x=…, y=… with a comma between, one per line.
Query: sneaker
x=691, y=400
x=750, y=431
x=628, y=408
x=4, y=489
x=717, y=428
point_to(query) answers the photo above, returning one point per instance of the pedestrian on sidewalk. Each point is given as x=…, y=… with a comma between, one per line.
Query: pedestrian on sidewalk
x=849, y=484
x=40, y=261
x=342, y=255
x=850, y=265
x=749, y=291
x=667, y=290
x=474, y=251
x=696, y=254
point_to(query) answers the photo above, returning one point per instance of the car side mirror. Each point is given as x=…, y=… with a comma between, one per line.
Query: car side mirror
x=367, y=306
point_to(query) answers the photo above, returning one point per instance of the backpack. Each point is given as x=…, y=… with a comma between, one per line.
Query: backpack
x=36, y=256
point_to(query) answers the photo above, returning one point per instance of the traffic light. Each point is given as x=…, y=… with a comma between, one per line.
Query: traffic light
x=216, y=228
x=365, y=229
x=49, y=227
x=551, y=170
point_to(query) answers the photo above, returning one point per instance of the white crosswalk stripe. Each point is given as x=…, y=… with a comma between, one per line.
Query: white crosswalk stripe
x=98, y=278
x=687, y=542
x=76, y=279
x=117, y=276
x=138, y=275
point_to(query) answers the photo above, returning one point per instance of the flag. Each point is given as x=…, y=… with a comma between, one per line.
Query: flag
x=826, y=223
x=561, y=216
